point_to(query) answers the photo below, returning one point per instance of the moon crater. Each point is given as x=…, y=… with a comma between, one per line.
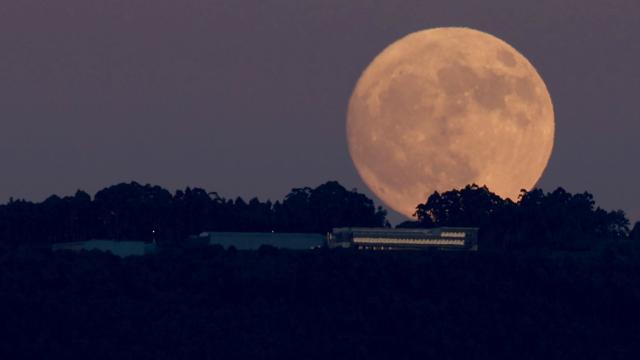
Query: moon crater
x=443, y=108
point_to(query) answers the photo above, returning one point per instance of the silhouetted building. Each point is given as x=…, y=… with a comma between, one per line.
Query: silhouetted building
x=118, y=248
x=404, y=239
x=253, y=241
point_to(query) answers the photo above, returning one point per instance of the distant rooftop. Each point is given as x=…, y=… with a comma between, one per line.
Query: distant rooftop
x=253, y=240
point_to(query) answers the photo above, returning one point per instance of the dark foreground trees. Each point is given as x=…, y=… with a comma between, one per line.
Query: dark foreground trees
x=145, y=212
x=554, y=220
x=217, y=304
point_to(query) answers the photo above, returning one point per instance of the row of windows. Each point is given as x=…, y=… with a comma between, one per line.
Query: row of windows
x=409, y=235
x=368, y=240
x=453, y=234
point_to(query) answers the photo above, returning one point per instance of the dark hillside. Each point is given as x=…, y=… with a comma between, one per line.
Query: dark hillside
x=323, y=304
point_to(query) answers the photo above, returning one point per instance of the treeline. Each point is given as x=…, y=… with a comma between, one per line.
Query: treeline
x=131, y=211
x=144, y=212
x=553, y=220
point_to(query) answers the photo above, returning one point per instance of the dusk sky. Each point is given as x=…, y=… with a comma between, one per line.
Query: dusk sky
x=249, y=97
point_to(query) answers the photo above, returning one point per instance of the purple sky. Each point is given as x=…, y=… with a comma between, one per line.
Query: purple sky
x=248, y=97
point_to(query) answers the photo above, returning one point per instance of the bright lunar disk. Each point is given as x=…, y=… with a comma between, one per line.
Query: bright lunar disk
x=446, y=107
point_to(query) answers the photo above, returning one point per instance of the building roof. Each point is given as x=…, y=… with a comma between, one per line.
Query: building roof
x=253, y=240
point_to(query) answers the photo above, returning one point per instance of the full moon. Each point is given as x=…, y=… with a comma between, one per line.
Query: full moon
x=446, y=107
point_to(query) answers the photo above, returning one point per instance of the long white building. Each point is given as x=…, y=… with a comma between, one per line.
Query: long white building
x=404, y=239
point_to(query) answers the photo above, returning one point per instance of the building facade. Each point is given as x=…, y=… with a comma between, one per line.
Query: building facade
x=445, y=238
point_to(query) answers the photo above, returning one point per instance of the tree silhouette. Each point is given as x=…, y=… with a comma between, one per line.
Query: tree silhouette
x=558, y=220
x=294, y=213
x=325, y=207
x=133, y=211
x=334, y=206
x=470, y=206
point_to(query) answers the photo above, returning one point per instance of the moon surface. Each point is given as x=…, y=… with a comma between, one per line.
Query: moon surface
x=443, y=108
